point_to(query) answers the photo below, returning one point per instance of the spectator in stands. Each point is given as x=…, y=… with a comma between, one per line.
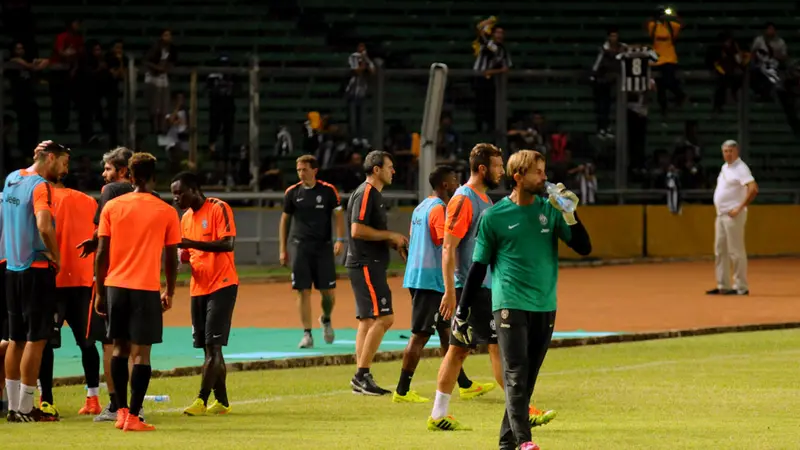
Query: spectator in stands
x=659, y=168
x=663, y=29
x=449, y=145
x=726, y=61
x=353, y=173
x=222, y=111
x=689, y=141
x=692, y=175
x=605, y=71
x=117, y=66
x=788, y=92
x=769, y=52
x=484, y=30
x=638, y=111
x=18, y=24
x=176, y=140
x=493, y=59
x=68, y=50
x=91, y=78
x=361, y=68
x=158, y=62
x=21, y=73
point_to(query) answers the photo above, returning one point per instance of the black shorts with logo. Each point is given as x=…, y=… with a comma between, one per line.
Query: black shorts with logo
x=481, y=320
x=3, y=306
x=134, y=315
x=425, y=317
x=31, y=304
x=74, y=305
x=313, y=263
x=371, y=290
x=212, y=316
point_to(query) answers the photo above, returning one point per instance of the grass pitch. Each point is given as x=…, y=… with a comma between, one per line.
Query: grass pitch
x=713, y=392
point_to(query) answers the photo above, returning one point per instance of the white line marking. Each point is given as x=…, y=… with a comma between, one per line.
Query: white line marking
x=666, y=362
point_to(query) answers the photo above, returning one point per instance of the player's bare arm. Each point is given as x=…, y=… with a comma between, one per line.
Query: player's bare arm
x=88, y=246
x=101, y=271
x=223, y=245
x=171, y=272
x=338, y=246
x=449, y=247
x=44, y=222
x=283, y=236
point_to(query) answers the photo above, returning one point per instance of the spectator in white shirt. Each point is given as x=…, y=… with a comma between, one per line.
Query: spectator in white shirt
x=736, y=188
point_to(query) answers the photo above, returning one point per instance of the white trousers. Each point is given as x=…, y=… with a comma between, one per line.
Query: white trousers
x=729, y=251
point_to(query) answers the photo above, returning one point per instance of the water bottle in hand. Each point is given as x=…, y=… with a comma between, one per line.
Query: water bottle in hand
x=566, y=204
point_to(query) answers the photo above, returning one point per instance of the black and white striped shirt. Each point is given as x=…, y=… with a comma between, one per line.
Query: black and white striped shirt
x=491, y=56
x=357, y=86
x=635, y=68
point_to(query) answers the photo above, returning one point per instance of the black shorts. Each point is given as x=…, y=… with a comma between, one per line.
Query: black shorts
x=425, y=317
x=134, y=315
x=74, y=305
x=3, y=306
x=481, y=320
x=212, y=315
x=371, y=290
x=31, y=303
x=313, y=264
x=98, y=326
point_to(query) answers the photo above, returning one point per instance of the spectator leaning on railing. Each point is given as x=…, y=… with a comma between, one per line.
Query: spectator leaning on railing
x=492, y=59
x=604, y=72
x=158, y=62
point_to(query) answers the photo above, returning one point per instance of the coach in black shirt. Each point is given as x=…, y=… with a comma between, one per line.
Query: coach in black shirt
x=310, y=203
x=366, y=262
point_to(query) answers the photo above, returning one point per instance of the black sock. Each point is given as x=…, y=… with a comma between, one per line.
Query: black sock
x=463, y=381
x=46, y=374
x=405, y=382
x=361, y=372
x=91, y=365
x=119, y=372
x=112, y=402
x=220, y=389
x=140, y=380
x=203, y=395
x=307, y=331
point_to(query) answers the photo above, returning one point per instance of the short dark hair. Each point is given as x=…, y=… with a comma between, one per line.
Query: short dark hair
x=770, y=24
x=612, y=29
x=118, y=157
x=481, y=155
x=188, y=180
x=308, y=159
x=376, y=158
x=55, y=149
x=438, y=175
x=142, y=167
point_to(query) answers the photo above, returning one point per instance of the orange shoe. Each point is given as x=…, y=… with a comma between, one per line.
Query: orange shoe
x=122, y=417
x=133, y=423
x=91, y=407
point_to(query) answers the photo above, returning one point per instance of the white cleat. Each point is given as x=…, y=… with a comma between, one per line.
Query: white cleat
x=306, y=342
x=327, y=331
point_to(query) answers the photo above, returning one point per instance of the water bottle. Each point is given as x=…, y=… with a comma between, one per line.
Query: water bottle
x=157, y=398
x=566, y=204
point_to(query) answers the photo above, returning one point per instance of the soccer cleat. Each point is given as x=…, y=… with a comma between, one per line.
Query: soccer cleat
x=198, y=408
x=133, y=423
x=327, y=331
x=476, y=390
x=91, y=407
x=717, y=291
x=306, y=342
x=539, y=418
x=528, y=446
x=367, y=386
x=12, y=417
x=410, y=397
x=447, y=423
x=36, y=415
x=218, y=408
x=122, y=416
x=106, y=415
x=49, y=408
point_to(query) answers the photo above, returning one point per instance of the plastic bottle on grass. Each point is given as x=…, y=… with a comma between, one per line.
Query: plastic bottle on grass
x=157, y=398
x=566, y=204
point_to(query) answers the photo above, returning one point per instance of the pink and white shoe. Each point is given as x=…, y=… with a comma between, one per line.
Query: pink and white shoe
x=528, y=446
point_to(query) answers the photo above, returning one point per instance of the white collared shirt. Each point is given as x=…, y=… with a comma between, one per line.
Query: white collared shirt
x=731, y=190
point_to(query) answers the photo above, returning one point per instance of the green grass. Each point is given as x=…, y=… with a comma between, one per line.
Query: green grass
x=270, y=271
x=714, y=392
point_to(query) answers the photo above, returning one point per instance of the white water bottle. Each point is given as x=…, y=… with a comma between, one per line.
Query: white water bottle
x=566, y=204
x=157, y=398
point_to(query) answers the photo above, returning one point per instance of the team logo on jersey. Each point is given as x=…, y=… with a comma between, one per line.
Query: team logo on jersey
x=491, y=324
x=504, y=314
x=204, y=224
x=543, y=220
x=383, y=301
x=319, y=199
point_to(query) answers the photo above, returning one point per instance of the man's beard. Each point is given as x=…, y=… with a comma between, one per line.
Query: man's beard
x=490, y=184
x=536, y=190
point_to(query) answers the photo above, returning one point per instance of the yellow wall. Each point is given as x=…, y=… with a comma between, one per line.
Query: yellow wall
x=617, y=231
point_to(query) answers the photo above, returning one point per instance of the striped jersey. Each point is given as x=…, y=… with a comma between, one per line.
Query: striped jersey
x=635, y=68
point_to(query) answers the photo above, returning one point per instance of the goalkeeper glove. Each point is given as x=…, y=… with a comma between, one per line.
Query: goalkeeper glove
x=461, y=329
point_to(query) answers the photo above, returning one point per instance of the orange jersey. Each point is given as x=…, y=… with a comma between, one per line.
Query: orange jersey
x=210, y=271
x=73, y=213
x=139, y=226
x=436, y=219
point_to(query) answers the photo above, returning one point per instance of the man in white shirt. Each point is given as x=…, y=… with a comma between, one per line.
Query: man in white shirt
x=736, y=188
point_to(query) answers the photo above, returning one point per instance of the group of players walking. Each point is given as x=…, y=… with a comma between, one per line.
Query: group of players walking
x=48, y=234
x=487, y=271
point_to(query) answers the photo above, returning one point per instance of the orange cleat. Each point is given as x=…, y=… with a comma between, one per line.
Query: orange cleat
x=122, y=417
x=133, y=423
x=91, y=407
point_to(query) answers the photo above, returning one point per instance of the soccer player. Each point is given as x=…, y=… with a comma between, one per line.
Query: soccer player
x=367, y=261
x=518, y=238
x=33, y=260
x=3, y=309
x=310, y=204
x=73, y=213
x=423, y=278
x=134, y=230
x=209, y=232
